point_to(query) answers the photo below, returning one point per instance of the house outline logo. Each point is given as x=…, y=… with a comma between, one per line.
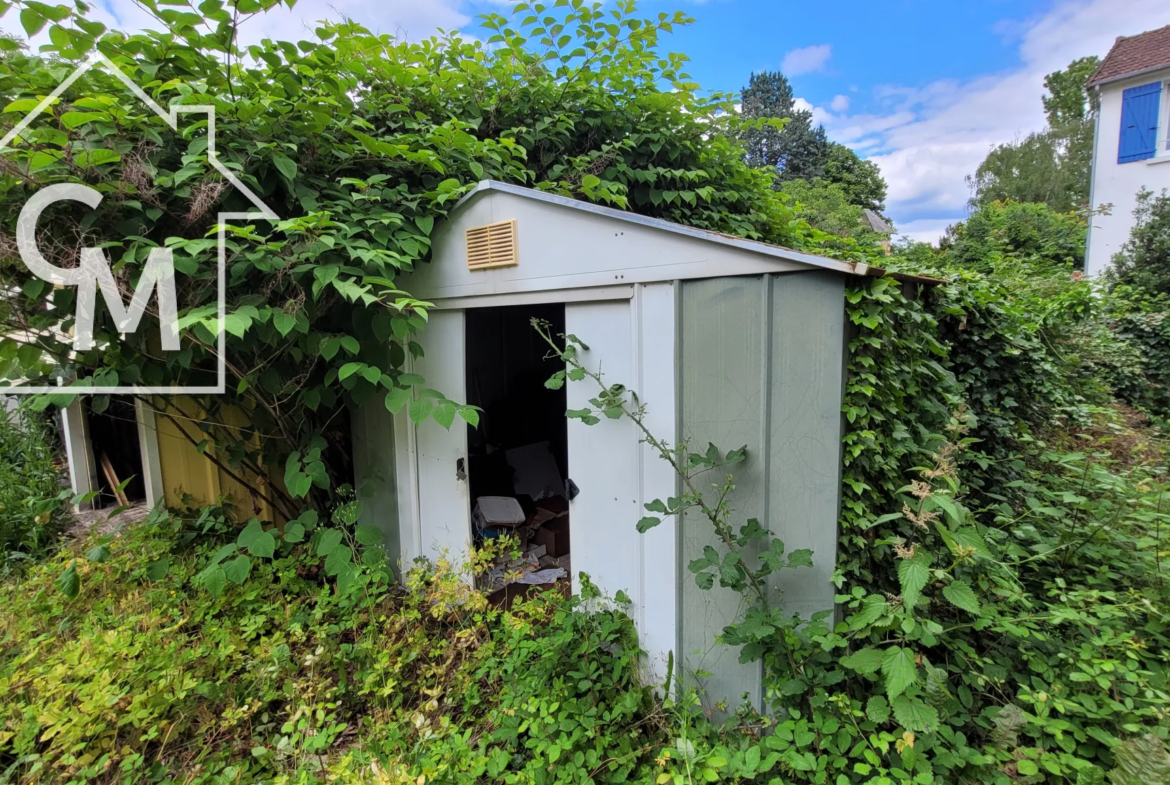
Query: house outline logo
x=263, y=211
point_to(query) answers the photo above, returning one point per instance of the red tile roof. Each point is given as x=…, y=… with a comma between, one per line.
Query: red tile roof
x=1134, y=54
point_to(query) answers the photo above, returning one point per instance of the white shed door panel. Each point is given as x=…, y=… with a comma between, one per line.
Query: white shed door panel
x=603, y=458
x=443, y=524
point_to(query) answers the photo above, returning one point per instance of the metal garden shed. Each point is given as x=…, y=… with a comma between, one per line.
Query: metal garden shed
x=725, y=340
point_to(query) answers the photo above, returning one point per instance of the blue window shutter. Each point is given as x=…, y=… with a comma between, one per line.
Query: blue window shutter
x=1139, y=123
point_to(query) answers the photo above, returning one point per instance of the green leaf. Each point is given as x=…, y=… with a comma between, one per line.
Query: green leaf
x=397, y=398
x=23, y=105
x=68, y=582
x=800, y=558
x=960, y=594
x=445, y=415
x=158, y=569
x=31, y=21
x=73, y=120
x=264, y=546
x=286, y=166
x=97, y=157
x=337, y=560
x=214, y=579
x=900, y=670
x=877, y=709
x=420, y=410
x=284, y=322
x=914, y=714
x=329, y=542
x=294, y=532
x=912, y=575
x=469, y=415
x=98, y=554
x=250, y=534
x=237, y=569
x=648, y=523
x=865, y=661
x=872, y=608
x=367, y=534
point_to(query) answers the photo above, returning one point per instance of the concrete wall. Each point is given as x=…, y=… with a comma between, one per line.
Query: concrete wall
x=1118, y=184
x=762, y=364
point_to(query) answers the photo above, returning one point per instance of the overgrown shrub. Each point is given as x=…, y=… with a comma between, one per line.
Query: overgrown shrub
x=1027, y=232
x=1144, y=261
x=147, y=676
x=33, y=494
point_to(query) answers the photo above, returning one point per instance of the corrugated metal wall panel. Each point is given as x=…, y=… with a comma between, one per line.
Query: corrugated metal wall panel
x=762, y=364
x=723, y=337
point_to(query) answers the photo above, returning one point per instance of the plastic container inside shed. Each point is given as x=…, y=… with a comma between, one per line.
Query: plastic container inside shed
x=493, y=512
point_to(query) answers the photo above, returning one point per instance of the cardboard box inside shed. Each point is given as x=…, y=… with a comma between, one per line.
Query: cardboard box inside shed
x=554, y=536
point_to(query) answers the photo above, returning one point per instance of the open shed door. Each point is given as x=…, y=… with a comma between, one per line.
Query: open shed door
x=442, y=516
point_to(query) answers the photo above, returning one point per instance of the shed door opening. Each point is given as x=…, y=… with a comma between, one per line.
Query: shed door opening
x=117, y=453
x=518, y=465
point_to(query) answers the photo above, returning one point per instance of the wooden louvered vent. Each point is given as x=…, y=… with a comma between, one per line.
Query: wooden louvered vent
x=493, y=245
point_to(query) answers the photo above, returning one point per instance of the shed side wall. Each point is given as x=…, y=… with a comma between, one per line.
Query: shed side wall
x=761, y=365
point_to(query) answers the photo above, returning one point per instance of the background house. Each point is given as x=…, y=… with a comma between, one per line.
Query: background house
x=1132, y=147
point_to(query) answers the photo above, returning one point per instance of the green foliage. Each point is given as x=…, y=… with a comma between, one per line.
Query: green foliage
x=34, y=508
x=1137, y=363
x=1012, y=233
x=828, y=206
x=279, y=678
x=1068, y=100
x=1144, y=261
x=861, y=181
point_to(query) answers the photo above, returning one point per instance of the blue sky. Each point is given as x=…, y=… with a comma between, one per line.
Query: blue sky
x=923, y=87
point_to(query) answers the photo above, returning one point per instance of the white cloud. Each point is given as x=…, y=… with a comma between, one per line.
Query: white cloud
x=924, y=230
x=806, y=60
x=840, y=103
x=933, y=135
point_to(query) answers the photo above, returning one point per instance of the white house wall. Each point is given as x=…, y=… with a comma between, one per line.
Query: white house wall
x=1118, y=184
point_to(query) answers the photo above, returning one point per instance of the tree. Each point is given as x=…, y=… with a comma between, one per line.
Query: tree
x=796, y=151
x=828, y=207
x=1051, y=166
x=861, y=181
x=1032, y=169
x=1068, y=101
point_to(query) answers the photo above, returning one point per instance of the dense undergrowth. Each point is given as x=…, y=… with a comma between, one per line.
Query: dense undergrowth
x=33, y=491
x=147, y=677
x=1002, y=615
